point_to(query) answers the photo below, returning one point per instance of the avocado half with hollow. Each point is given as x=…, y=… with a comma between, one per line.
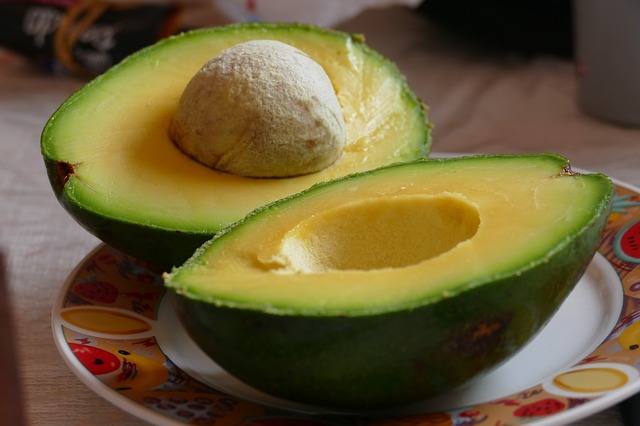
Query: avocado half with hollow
x=394, y=285
x=115, y=169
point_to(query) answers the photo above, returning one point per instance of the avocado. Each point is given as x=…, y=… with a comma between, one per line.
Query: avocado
x=115, y=169
x=390, y=286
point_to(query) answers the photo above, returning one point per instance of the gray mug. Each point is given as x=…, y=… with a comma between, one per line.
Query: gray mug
x=607, y=46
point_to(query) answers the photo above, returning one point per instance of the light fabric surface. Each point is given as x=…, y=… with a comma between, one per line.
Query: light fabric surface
x=480, y=103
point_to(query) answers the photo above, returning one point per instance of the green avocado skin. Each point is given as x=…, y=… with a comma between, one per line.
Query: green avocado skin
x=162, y=248
x=390, y=359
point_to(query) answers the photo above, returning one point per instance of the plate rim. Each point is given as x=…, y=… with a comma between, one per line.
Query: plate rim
x=92, y=382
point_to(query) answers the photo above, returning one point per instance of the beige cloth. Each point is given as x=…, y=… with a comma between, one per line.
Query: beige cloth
x=480, y=103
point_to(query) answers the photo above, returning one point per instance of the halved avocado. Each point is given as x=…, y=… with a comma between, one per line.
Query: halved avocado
x=114, y=168
x=394, y=285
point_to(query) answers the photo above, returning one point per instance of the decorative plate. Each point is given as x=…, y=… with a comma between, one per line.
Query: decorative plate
x=118, y=333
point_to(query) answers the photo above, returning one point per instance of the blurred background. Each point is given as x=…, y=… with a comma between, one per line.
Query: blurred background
x=85, y=37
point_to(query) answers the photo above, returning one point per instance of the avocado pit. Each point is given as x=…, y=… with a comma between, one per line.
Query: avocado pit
x=261, y=108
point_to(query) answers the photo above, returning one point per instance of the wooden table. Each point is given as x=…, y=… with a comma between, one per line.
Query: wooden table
x=480, y=102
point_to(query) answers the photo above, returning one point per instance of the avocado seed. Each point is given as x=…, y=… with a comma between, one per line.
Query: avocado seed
x=261, y=108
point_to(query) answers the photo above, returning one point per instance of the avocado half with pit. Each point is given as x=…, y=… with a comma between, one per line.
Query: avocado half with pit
x=115, y=169
x=394, y=285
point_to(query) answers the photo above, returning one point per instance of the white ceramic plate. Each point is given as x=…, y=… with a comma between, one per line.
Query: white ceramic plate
x=119, y=335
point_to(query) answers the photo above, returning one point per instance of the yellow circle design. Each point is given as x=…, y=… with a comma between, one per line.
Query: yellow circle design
x=103, y=321
x=591, y=380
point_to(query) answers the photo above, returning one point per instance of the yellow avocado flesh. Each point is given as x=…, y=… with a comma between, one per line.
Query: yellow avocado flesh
x=396, y=238
x=113, y=133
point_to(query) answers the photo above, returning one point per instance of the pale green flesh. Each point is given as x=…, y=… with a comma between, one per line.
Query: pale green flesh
x=114, y=132
x=519, y=210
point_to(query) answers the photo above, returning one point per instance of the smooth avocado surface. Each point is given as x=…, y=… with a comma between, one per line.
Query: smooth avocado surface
x=389, y=286
x=115, y=169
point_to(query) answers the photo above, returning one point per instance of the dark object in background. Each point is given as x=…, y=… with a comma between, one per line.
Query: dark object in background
x=11, y=403
x=630, y=410
x=527, y=28
x=83, y=37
